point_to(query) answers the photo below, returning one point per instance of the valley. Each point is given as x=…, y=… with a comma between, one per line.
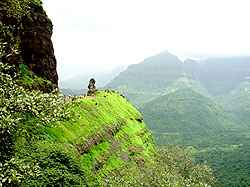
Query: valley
x=160, y=122
x=201, y=106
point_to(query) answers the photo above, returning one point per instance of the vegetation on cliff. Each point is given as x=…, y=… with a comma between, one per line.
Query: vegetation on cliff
x=46, y=141
x=25, y=147
x=103, y=136
x=25, y=38
x=171, y=167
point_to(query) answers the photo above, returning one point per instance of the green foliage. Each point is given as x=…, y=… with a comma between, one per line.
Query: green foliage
x=7, y=41
x=185, y=117
x=198, y=125
x=230, y=164
x=170, y=167
x=24, y=161
x=17, y=105
x=29, y=117
x=237, y=102
x=25, y=75
x=18, y=8
x=45, y=164
x=27, y=78
x=14, y=171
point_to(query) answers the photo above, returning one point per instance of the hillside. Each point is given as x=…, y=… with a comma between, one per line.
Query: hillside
x=108, y=133
x=164, y=72
x=156, y=76
x=95, y=141
x=185, y=117
x=200, y=126
x=45, y=141
x=48, y=140
x=203, y=107
x=149, y=77
x=83, y=141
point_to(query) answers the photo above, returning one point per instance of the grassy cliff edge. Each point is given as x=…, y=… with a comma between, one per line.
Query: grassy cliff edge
x=109, y=133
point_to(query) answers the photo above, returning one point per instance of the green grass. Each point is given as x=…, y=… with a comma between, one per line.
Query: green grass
x=105, y=110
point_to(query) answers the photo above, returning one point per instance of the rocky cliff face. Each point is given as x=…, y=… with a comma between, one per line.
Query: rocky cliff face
x=25, y=25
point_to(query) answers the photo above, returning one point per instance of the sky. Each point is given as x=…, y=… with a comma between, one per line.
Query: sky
x=99, y=35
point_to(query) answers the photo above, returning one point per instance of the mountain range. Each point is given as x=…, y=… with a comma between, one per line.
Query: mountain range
x=99, y=140
x=202, y=106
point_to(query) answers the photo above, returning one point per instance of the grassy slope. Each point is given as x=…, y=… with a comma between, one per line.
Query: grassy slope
x=132, y=142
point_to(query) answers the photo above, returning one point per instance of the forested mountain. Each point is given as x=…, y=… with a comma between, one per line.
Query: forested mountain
x=156, y=76
x=201, y=106
x=200, y=126
x=187, y=115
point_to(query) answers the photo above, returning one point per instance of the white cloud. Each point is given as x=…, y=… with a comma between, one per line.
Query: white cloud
x=101, y=34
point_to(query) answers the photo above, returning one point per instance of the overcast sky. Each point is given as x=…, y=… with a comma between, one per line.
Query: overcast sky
x=98, y=35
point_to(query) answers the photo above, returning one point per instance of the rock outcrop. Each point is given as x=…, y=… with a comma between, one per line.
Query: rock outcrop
x=92, y=89
x=28, y=29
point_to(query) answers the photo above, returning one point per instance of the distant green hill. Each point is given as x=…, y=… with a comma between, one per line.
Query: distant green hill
x=164, y=72
x=200, y=126
x=184, y=117
x=201, y=106
x=156, y=76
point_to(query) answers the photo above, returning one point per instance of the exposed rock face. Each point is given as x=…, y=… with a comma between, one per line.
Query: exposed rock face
x=31, y=30
x=36, y=47
x=92, y=89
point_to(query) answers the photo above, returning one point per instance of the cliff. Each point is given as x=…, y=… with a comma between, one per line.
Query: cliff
x=26, y=43
x=109, y=133
x=47, y=140
x=102, y=134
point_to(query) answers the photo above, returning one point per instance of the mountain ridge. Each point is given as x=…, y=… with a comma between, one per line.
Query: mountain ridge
x=213, y=128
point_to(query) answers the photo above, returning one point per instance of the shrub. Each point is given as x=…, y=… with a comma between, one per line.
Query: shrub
x=45, y=164
x=23, y=110
x=170, y=167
